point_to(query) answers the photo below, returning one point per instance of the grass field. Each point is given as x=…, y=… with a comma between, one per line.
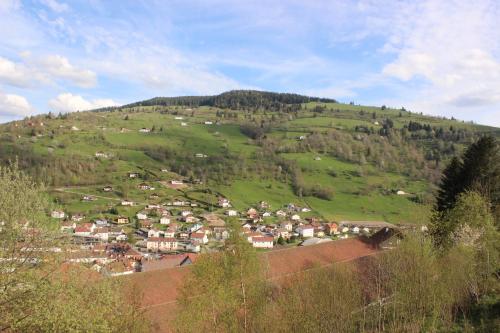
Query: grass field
x=358, y=191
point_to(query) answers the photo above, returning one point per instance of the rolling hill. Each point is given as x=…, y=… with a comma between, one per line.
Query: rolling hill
x=342, y=161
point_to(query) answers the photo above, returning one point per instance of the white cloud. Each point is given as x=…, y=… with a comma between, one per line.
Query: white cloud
x=14, y=74
x=453, y=48
x=44, y=69
x=14, y=105
x=68, y=102
x=57, y=7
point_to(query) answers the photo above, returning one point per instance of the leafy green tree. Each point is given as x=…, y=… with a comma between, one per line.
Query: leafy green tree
x=225, y=291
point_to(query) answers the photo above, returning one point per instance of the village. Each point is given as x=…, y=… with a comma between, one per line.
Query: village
x=174, y=233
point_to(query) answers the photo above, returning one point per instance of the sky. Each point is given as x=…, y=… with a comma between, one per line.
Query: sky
x=438, y=57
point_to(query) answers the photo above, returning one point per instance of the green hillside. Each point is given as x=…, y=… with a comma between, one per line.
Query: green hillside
x=342, y=161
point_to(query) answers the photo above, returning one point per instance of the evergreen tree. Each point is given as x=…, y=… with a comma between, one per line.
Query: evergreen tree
x=479, y=171
x=450, y=185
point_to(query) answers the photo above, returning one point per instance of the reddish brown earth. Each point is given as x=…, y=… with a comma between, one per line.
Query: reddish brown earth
x=160, y=288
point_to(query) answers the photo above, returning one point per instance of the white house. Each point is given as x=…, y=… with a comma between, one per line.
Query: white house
x=178, y=118
x=200, y=155
x=345, y=230
x=58, y=214
x=77, y=217
x=355, y=230
x=176, y=182
x=155, y=233
x=199, y=237
x=224, y=203
x=266, y=214
x=162, y=244
x=400, y=192
x=101, y=154
x=144, y=130
x=295, y=217
x=141, y=216
x=305, y=210
x=184, y=124
x=101, y=233
x=263, y=242
x=186, y=213
x=231, y=212
x=127, y=203
x=306, y=231
x=85, y=229
x=281, y=213
x=164, y=220
x=208, y=123
x=287, y=225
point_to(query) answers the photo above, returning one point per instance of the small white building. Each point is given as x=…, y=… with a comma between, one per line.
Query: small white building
x=263, y=242
x=224, y=203
x=295, y=217
x=144, y=130
x=281, y=213
x=176, y=182
x=186, y=213
x=141, y=216
x=162, y=244
x=127, y=203
x=306, y=231
x=155, y=233
x=164, y=220
x=199, y=237
x=231, y=212
x=58, y=214
x=101, y=154
x=287, y=225
x=208, y=123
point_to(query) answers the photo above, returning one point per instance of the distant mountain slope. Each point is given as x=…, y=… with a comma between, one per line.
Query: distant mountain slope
x=341, y=161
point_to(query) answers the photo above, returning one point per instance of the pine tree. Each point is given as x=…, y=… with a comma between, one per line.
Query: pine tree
x=479, y=171
x=450, y=185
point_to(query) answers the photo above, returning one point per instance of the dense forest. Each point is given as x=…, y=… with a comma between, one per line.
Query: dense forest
x=236, y=99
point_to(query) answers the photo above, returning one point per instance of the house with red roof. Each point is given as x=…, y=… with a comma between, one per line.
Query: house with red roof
x=263, y=242
x=199, y=237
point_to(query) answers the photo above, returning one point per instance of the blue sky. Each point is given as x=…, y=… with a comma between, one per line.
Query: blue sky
x=436, y=57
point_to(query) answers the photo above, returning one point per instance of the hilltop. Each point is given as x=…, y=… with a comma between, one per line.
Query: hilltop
x=341, y=161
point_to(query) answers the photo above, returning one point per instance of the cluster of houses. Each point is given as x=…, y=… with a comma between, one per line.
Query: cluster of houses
x=177, y=228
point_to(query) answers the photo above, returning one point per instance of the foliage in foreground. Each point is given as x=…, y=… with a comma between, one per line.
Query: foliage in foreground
x=38, y=292
x=416, y=287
